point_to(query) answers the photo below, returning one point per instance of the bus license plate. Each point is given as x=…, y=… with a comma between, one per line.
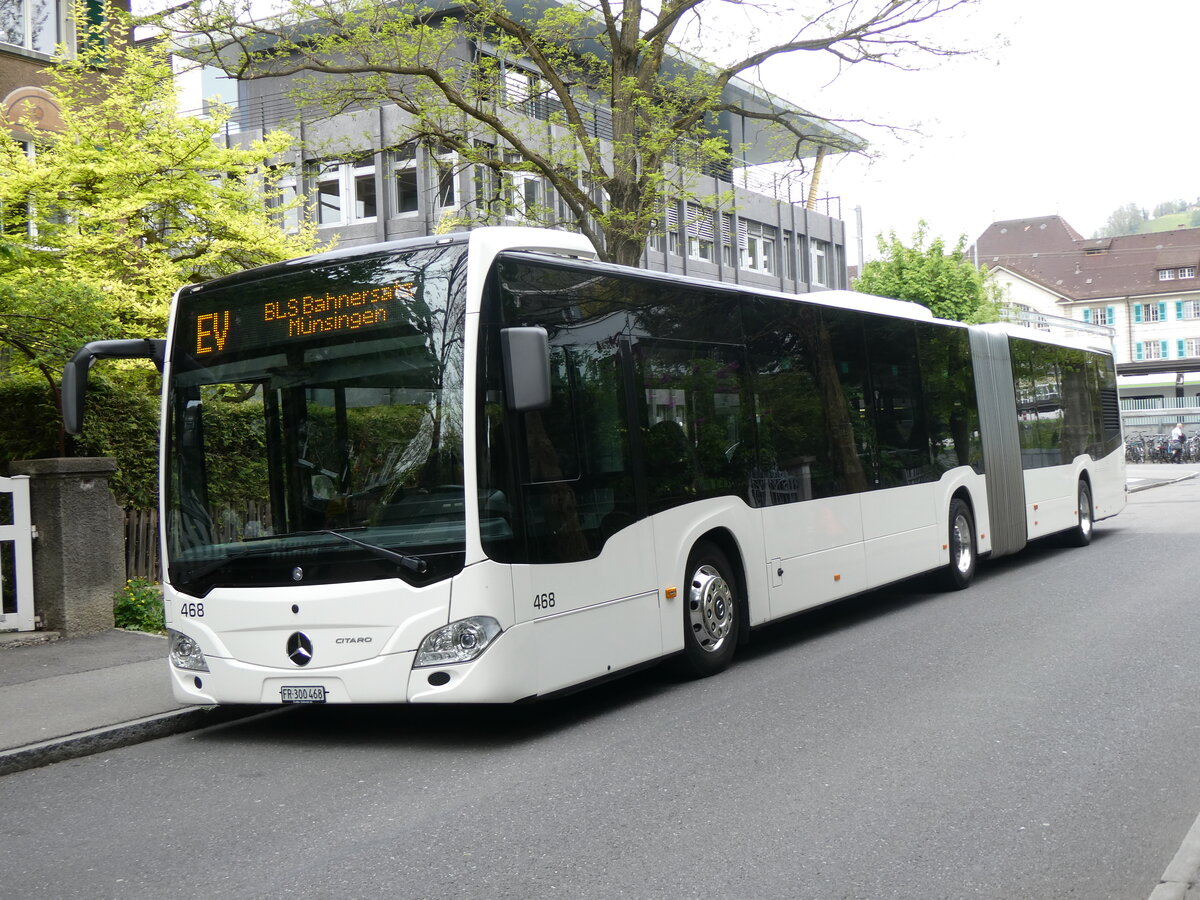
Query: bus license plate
x=303, y=694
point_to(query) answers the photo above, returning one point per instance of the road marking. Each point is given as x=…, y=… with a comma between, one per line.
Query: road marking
x=1181, y=872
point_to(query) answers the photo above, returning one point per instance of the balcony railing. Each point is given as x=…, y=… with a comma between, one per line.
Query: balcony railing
x=258, y=115
x=1030, y=318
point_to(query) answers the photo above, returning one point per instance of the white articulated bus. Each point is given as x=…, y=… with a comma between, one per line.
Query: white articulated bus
x=487, y=468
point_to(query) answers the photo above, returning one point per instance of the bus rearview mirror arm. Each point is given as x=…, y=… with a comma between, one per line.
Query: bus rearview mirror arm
x=526, y=353
x=75, y=372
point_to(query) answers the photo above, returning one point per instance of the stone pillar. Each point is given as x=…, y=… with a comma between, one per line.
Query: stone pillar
x=79, y=554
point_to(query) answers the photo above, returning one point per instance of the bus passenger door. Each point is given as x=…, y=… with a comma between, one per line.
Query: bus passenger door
x=588, y=586
x=899, y=512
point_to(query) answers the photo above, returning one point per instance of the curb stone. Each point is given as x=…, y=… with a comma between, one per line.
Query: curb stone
x=112, y=737
x=1161, y=482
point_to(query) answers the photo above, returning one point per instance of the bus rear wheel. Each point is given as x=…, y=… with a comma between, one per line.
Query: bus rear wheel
x=711, y=612
x=960, y=571
x=1081, y=534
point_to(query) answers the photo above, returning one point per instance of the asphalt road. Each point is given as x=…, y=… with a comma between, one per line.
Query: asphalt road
x=1035, y=736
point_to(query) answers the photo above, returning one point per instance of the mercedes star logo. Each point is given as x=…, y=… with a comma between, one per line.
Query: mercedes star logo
x=299, y=649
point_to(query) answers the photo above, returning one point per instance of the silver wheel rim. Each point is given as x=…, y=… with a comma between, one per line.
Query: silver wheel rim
x=960, y=543
x=1085, y=512
x=710, y=609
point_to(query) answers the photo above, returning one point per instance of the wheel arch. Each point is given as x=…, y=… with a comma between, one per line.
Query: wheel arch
x=1085, y=475
x=723, y=539
x=963, y=493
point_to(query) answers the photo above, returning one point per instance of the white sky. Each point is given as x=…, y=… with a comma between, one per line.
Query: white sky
x=1077, y=107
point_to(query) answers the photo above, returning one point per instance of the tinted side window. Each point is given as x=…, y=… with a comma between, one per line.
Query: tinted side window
x=1078, y=423
x=952, y=412
x=1024, y=385
x=809, y=383
x=1048, y=399
x=901, y=437
x=841, y=349
x=578, y=488
x=698, y=436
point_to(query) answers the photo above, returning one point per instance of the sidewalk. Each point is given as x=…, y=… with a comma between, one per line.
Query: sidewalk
x=68, y=698
x=1144, y=476
x=60, y=699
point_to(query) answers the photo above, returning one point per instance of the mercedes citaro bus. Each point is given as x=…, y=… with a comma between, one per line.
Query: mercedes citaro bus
x=488, y=468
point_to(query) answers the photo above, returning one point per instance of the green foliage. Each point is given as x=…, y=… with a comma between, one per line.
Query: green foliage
x=101, y=227
x=1170, y=208
x=138, y=606
x=1167, y=216
x=1128, y=219
x=121, y=421
x=948, y=283
x=33, y=434
x=132, y=200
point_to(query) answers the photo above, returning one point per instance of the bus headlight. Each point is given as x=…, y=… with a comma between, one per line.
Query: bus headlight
x=185, y=653
x=457, y=642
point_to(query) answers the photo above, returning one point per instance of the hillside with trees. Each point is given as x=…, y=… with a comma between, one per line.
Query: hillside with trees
x=1166, y=216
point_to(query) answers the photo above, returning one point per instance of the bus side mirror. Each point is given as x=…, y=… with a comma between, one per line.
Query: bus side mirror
x=526, y=353
x=75, y=372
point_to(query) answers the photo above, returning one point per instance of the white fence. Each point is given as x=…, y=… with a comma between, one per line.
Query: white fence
x=16, y=564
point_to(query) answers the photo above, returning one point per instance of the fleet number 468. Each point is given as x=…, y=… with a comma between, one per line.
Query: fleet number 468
x=191, y=610
x=543, y=601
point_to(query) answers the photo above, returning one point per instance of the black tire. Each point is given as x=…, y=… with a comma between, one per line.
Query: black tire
x=960, y=570
x=1081, y=534
x=712, y=612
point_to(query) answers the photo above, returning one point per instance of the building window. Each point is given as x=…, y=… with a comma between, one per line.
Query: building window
x=701, y=234
x=728, y=254
x=1189, y=309
x=1152, y=350
x=658, y=235
x=283, y=200
x=787, y=256
x=758, y=251
x=346, y=192
x=1150, y=312
x=1187, y=272
x=1098, y=316
x=819, y=251
x=673, y=240
x=444, y=161
x=522, y=191
x=404, y=179
x=32, y=24
x=1166, y=274
x=1192, y=347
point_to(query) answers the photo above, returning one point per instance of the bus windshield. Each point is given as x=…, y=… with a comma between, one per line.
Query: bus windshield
x=314, y=427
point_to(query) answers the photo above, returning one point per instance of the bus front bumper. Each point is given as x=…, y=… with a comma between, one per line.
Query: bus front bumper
x=504, y=673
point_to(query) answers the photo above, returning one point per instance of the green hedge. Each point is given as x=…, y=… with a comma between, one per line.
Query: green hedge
x=121, y=421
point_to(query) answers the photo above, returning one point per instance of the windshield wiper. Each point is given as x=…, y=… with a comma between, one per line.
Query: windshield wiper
x=412, y=563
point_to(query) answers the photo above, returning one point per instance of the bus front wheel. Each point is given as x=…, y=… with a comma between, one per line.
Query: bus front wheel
x=711, y=611
x=960, y=571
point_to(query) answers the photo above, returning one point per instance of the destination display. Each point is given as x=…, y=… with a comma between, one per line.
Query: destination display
x=253, y=322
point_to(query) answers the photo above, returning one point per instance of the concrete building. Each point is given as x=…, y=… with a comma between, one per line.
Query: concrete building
x=366, y=180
